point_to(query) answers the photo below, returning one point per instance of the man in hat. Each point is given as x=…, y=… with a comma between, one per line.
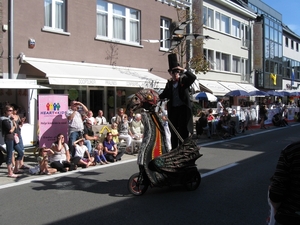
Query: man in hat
x=179, y=105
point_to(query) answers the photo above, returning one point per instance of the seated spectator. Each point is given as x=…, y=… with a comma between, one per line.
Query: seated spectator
x=91, y=118
x=119, y=116
x=279, y=121
x=42, y=158
x=124, y=132
x=111, y=151
x=137, y=127
x=202, y=124
x=210, y=116
x=80, y=151
x=100, y=119
x=88, y=135
x=60, y=159
x=99, y=155
x=115, y=132
x=226, y=124
x=131, y=116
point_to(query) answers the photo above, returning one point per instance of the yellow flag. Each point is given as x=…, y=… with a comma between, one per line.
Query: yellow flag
x=273, y=76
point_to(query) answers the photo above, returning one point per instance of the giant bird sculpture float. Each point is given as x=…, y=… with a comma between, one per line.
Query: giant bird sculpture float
x=179, y=35
x=157, y=166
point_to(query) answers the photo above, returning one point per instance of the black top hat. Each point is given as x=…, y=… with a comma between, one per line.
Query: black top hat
x=172, y=61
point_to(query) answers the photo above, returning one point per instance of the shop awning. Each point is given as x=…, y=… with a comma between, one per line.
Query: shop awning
x=231, y=86
x=213, y=87
x=248, y=87
x=86, y=74
x=20, y=84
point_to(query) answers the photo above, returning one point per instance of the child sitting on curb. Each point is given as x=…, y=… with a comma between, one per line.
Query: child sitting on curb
x=98, y=154
x=43, y=161
x=80, y=151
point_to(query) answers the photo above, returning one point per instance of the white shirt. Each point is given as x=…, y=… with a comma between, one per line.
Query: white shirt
x=101, y=120
x=76, y=124
x=80, y=150
x=92, y=120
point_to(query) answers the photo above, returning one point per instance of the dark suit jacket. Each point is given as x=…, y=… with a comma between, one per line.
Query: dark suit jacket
x=185, y=81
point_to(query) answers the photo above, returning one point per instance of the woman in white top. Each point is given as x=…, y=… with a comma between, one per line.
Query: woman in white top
x=60, y=159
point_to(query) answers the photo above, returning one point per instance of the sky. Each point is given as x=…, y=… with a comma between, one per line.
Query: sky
x=289, y=9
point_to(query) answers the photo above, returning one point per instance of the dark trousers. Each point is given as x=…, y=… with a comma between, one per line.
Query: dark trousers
x=111, y=158
x=61, y=166
x=178, y=118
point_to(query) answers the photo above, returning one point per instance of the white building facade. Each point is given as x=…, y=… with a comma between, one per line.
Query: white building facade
x=230, y=54
x=291, y=60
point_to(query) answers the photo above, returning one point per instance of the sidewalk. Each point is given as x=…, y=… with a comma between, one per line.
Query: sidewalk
x=254, y=128
x=30, y=158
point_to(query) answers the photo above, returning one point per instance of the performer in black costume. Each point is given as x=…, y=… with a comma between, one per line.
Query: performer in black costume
x=179, y=105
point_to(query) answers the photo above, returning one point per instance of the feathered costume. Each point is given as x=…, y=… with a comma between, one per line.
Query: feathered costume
x=162, y=167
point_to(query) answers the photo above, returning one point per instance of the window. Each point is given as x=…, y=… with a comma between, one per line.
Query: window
x=297, y=47
x=218, y=60
x=118, y=22
x=209, y=57
x=286, y=42
x=236, y=64
x=165, y=32
x=222, y=23
x=244, y=70
x=292, y=44
x=225, y=24
x=245, y=35
x=55, y=14
x=208, y=17
x=225, y=62
x=235, y=28
x=222, y=61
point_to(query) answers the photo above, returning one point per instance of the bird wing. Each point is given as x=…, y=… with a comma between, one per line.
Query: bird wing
x=152, y=41
x=180, y=28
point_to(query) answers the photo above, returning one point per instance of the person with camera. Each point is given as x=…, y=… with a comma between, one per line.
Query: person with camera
x=75, y=122
x=179, y=104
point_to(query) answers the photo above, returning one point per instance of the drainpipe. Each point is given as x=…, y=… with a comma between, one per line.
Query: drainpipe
x=10, y=40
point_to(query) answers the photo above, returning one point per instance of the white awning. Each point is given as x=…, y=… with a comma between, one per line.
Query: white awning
x=87, y=74
x=248, y=87
x=231, y=86
x=20, y=84
x=214, y=87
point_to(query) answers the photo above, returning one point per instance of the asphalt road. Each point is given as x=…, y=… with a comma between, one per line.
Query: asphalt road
x=235, y=178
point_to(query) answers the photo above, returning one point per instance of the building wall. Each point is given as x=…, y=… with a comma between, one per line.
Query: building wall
x=287, y=50
x=225, y=43
x=80, y=45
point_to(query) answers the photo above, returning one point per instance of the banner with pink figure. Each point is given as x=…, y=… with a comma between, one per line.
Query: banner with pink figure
x=52, y=118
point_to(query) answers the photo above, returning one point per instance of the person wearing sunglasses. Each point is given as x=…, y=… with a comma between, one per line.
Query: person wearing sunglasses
x=9, y=127
x=179, y=105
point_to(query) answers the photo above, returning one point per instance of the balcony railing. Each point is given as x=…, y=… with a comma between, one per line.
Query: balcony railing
x=182, y=4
